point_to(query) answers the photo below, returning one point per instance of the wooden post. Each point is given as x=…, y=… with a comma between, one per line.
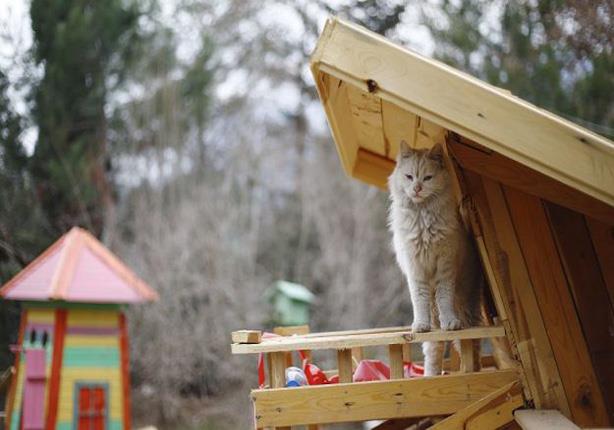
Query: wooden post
x=278, y=374
x=396, y=361
x=344, y=363
x=467, y=358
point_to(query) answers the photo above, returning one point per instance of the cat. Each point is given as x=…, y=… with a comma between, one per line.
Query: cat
x=433, y=248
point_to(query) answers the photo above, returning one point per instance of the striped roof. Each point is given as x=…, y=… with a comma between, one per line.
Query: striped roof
x=78, y=268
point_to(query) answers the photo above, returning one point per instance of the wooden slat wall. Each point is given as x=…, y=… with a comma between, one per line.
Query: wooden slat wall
x=558, y=309
x=514, y=295
x=585, y=278
x=556, y=269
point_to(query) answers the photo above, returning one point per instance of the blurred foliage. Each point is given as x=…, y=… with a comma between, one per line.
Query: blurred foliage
x=556, y=54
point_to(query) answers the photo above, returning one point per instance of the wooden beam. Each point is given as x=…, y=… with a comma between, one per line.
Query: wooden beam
x=509, y=172
x=545, y=419
x=463, y=104
x=246, y=336
x=348, y=341
x=439, y=395
x=557, y=308
x=490, y=412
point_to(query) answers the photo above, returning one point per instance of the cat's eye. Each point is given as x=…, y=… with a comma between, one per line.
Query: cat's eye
x=410, y=177
x=428, y=177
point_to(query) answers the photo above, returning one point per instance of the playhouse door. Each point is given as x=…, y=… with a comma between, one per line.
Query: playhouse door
x=34, y=390
x=92, y=412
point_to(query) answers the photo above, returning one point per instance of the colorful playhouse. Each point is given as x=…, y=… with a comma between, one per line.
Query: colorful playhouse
x=71, y=360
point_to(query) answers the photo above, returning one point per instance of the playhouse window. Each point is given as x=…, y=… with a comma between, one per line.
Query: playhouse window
x=91, y=406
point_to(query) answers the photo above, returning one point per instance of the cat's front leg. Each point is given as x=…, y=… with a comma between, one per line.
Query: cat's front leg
x=421, y=303
x=444, y=296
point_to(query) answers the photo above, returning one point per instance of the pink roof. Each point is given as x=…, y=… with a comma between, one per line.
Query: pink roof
x=78, y=268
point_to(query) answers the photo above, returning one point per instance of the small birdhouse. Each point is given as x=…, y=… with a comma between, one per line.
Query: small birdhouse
x=71, y=359
x=290, y=303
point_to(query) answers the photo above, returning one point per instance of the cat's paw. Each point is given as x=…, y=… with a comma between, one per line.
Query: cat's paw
x=451, y=324
x=420, y=327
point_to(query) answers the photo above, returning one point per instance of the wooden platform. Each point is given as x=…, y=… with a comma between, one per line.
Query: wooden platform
x=362, y=338
x=488, y=397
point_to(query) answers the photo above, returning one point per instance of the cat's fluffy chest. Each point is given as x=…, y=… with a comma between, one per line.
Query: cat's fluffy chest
x=423, y=230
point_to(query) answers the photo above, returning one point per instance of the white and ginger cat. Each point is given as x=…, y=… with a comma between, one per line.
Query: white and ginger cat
x=433, y=248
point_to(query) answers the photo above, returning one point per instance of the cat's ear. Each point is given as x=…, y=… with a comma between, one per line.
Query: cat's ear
x=404, y=149
x=436, y=153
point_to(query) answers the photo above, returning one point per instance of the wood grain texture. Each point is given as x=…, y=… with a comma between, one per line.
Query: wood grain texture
x=557, y=308
x=490, y=412
x=372, y=168
x=589, y=292
x=503, y=169
x=395, y=354
x=246, y=336
x=344, y=365
x=465, y=105
x=531, y=341
x=440, y=395
x=466, y=357
x=348, y=341
x=602, y=236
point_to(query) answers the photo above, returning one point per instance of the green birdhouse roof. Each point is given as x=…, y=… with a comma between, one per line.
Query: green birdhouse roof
x=291, y=290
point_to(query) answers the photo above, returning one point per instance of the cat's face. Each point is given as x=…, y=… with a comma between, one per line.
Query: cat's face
x=419, y=173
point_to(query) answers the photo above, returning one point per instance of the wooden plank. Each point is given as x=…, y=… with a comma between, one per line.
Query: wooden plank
x=557, y=308
x=246, y=336
x=372, y=168
x=398, y=125
x=531, y=339
x=463, y=104
x=366, y=112
x=439, y=395
x=344, y=365
x=466, y=364
x=395, y=353
x=351, y=341
x=278, y=374
x=589, y=291
x=497, y=415
x=544, y=419
x=509, y=393
x=602, y=236
x=503, y=169
x=333, y=92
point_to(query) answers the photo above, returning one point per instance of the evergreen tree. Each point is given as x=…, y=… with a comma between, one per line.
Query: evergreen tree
x=83, y=47
x=539, y=51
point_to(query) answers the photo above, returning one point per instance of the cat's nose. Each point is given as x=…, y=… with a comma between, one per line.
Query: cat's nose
x=417, y=188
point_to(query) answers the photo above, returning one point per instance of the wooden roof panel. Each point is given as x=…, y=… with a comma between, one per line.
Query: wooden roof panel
x=453, y=101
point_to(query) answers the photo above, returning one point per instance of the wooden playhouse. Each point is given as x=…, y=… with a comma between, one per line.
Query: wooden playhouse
x=541, y=196
x=71, y=359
